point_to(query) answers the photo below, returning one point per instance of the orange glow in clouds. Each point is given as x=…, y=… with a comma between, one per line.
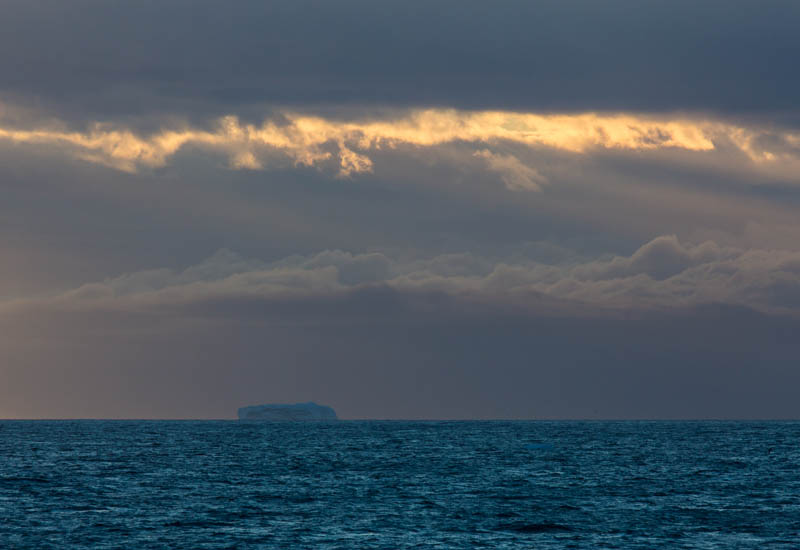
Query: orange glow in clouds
x=310, y=140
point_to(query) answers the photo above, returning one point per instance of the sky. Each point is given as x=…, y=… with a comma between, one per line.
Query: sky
x=403, y=210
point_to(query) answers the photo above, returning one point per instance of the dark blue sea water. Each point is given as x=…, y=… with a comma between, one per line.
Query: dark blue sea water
x=138, y=484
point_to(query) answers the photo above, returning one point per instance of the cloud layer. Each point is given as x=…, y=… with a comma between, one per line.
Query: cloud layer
x=308, y=140
x=663, y=274
x=98, y=59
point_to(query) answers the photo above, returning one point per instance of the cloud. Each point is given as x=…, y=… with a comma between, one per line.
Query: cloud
x=345, y=145
x=660, y=259
x=516, y=175
x=119, y=58
x=661, y=274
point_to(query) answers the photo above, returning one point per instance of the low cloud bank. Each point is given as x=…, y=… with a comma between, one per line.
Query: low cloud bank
x=662, y=274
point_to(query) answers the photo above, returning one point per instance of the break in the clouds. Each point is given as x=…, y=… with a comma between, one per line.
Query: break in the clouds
x=449, y=209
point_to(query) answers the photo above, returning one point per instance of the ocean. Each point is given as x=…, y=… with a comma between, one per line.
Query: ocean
x=392, y=484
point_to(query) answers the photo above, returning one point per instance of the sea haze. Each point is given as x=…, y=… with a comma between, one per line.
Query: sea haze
x=370, y=484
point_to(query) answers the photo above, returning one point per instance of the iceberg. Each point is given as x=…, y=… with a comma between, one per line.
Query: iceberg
x=296, y=412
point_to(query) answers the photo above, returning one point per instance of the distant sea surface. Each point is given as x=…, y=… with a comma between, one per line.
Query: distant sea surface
x=228, y=484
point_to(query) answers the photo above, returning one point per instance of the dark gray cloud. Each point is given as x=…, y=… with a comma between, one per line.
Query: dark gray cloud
x=107, y=59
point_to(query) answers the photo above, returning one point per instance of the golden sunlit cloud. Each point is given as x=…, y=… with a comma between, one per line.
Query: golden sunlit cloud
x=314, y=140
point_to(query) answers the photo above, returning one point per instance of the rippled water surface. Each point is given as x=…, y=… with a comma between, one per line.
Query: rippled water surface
x=141, y=484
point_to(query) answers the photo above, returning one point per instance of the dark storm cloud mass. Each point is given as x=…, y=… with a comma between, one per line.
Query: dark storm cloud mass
x=99, y=59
